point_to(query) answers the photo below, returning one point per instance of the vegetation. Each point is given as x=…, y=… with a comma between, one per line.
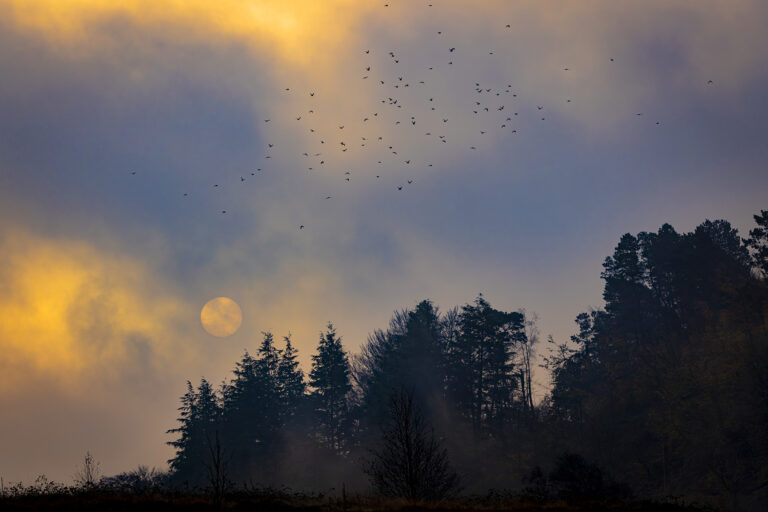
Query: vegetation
x=664, y=392
x=661, y=395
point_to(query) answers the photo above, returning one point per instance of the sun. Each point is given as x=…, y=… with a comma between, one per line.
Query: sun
x=221, y=317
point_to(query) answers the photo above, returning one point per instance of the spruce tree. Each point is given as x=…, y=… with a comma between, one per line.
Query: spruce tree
x=482, y=380
x=290, y=380
x=330, y=380
x=199, y=417
x=252, y=411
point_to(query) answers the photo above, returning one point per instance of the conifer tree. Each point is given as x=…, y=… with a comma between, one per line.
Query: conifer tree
x=269, y=356
x=252, y=410
x=757, y=243
x=290, y=380
x=481, y=377
x=199, y=416
x=330, y=380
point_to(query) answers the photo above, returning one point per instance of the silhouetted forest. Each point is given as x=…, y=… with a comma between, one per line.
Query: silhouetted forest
x=663, y=392
x=662, y=395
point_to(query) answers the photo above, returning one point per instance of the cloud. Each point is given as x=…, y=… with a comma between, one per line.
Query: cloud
x=298, y=30
x=76, y=314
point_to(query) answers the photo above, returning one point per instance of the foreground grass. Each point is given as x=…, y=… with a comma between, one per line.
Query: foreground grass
x=275, y=500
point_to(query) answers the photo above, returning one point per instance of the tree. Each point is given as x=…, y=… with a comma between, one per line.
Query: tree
x=217, y=467
x=757, y=243
x=87, y=475
x=252, y=420
x=410, y=463
x=667, y=385
x=526, y=353
x=269, y=357
x=482, y=379
x=200, y=413
x=409, y=354
x=330, y=380
x=290, y=380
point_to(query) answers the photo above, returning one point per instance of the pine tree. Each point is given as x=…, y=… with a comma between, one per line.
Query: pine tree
x=330, y=380
x=269, y=356
x=252, y=418
x=481, y=379
x=757, y=243
x=199, y=417
x=290, y=380
x=187, y=413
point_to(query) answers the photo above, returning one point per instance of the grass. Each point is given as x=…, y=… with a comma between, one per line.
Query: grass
x=59, y=498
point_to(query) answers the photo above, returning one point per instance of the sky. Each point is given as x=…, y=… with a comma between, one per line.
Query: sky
x=128, y=127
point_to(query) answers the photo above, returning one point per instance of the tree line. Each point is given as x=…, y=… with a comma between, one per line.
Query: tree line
x=665, y=388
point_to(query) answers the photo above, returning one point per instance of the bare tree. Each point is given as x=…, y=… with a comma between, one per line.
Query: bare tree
x=526, y=353
x=411, y=463
x=217, y=467
x=87, y=475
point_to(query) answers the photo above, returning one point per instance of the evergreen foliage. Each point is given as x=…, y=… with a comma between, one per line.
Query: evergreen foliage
x=666, y=387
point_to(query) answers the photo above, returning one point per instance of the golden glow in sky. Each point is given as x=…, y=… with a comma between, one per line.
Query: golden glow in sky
x=69, y=308
x=297, y=29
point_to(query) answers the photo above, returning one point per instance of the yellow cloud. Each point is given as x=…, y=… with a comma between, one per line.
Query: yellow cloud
x=70, y=312
x=299, y=29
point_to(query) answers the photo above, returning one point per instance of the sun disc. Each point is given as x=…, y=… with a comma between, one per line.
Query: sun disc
x=221, y=317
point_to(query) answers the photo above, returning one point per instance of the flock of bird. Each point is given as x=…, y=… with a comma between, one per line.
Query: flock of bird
x=406, y=109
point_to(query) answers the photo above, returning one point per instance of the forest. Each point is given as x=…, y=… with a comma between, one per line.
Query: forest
x=661, y=393
x=660, y=397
